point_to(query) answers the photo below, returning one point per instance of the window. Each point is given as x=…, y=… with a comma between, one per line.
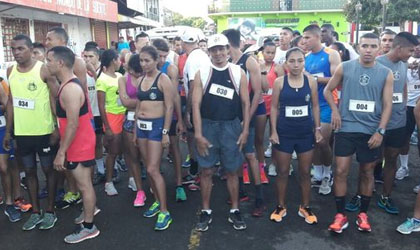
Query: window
x=10, y=28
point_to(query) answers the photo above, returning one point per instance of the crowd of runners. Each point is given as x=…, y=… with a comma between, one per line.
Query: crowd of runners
x=84, y=118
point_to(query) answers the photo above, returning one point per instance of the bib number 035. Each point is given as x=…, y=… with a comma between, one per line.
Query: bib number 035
x=362, y=106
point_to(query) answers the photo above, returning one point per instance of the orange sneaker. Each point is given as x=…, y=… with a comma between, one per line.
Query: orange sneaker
x=306, y=212
x=23, y=205
x=263, y=176
x=245, y=174
x=340, y=223
x=278, y=214
x=363, y=223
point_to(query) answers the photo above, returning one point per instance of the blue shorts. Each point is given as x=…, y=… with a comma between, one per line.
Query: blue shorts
x=223, y=136
x=11, y=152
x=249, y=147
x=299, y=145
x=128, y=125
x=325, y=112
x=150, y=129
x=261, y=109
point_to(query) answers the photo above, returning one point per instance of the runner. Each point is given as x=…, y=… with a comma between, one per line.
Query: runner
x=154, y=112
x=127, y=88
x=327, y=37
x=77, y=144
x=31, y=87
x=112, y=112
x=257, y=108
x=39, y=52
x=218, y=131
x=294, y=113
x=387, y=37
x=202, y=44
x=359, y=121
x=286, y=36
x=321, y=62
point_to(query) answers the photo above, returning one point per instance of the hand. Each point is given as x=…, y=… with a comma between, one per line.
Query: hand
x=108, y=133
x=59, y=162
x=180, y=127
x=375, y=140
x=188, y=120
x=274, y=138
x=336, y=120
x=7, y=140
x=54, y=137
x=165, y=141
x=243, y=137
x=203, y=145
x=318, y=136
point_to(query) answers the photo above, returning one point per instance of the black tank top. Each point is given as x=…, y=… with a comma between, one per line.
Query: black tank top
x=61, y=113
x=152, y=94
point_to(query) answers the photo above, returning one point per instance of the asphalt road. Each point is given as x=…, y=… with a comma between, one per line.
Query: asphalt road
x=123, y=226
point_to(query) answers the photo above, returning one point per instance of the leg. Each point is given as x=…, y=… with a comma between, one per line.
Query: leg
x=305, y=160
x=391, y=155
x=14, y=170
x=99, y=157
x=6, y=180
x=176, y=155
x=82, y=176
x=32, y=180
x=340, y=175
x=261, y=120
x=131, y=155
x=282, y=160
x=206, y=184
x=50, y=173
x=155, y=151
x=114, y=148
x=233, y=188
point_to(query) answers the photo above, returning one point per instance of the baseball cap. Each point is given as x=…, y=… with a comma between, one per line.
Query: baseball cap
x=189, y=36
x=217, y=40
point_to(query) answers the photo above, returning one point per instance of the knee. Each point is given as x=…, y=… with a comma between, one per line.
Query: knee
x=207, y=174
x=153, y=171
x=283, y=172
x=3, y=169
x=341, y=173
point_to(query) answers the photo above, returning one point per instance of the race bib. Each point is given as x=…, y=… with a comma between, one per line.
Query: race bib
x=2, y=121
x=130, y=115
x=222, y=91
x=397, y=98
x=294, y=112
x=414, y=87
x=23, y=103
x=144, y=125
x=269, y=91
x=119, y=103
x=362, y=106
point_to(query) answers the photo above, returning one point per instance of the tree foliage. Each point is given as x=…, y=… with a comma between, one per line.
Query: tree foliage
x=197, y=22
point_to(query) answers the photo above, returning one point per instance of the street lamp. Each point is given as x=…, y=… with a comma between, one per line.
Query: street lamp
x=384, y=4
x=358, y=8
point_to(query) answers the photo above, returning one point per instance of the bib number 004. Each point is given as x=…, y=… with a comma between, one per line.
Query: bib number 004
x=362, y=106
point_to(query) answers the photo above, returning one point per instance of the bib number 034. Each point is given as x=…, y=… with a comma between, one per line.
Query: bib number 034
x=23, y=103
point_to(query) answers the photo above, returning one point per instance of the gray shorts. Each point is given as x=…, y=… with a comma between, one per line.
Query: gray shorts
x=249, y=147
x=223, y=136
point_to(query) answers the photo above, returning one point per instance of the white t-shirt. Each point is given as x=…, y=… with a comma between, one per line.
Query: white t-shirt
x=195, y=60
x=280, y=56
x=413, y=84
x=93, y=98
x=352, y=52
x=171, y=57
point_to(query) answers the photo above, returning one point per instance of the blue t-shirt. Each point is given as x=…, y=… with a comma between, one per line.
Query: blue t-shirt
x=123, y=45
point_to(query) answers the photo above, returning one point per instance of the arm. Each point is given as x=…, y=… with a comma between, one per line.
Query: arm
x=9, y=117
x=80, y=71
x=168, y=94
x=125, y=99
x=335, y=60
x=315, y=109
x=264, y=83
x=255, y=78
x=277, y=87
x=244, y=95
x=335, y=80
x=173, y=76
x=202, y=143
x=279, y=70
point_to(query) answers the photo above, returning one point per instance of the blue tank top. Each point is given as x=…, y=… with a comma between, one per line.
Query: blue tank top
x=165, y=67
x=318, y=64
x=295, y=110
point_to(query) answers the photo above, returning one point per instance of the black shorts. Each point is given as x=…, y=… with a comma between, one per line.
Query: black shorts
x=73, y=164
x=410, y=125
x=29, y=146
x=98, y=125
x=172, y=130
x=395, y=138
x=346, y=144
x=299, y=145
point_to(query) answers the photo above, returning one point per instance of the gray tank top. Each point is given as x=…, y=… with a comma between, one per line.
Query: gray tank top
x=361, y=97
x=399, y=70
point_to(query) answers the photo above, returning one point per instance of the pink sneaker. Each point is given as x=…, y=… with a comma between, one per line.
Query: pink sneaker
x=140, y=199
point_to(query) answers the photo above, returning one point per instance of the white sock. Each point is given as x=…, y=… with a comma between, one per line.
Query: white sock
x=233, y=210
x=318, y=172
x=326, y=172
x=22, y=174
x=208, y=211
x=130, y=179
x=404, y=161
x=100, y=165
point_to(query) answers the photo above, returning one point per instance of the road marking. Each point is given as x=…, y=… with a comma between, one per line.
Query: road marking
x=195, y=236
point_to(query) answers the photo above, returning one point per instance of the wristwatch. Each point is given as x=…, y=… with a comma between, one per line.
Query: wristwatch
x=381, y=131
x=164, y=131
x=316, y=78
x=264, y=73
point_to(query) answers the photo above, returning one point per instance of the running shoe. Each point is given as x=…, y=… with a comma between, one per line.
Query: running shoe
x=121, y=165
x=401, y=173
x=278, y=214
x=416, y=189
x=132, y=184
x=81, y=218
x=60, y=194
x=325, y=187
x=409, y=226
x=308, y=215
x=363, y=223
x=388, y=205
x=294, y=155
x=204, y=222
x=180, y=194
x=259, y=210
x=140, y=199
x=98, y=178
x=163, y=221
x=153, y=210
x=188, y=179
x=110, y=189
x=48, y=221
x=193, y=187
x=263, y=176
x=272, y=170
x=12, y=213
x=32, y=222
x=23, y=183
x=22, y=205
x=169, y=158
x=81, y=234
x=43, y=194
x=268, y=152
x=68, y=200
x=245, y=173
x=315, y=183
x=187, y=162
x=340, y=223
x=116, y=177
x=236, y=219
x=354, y=204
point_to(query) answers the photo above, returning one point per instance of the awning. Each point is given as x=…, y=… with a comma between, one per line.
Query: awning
x=125, y=22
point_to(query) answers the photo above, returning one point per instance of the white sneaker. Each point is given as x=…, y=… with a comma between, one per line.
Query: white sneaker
x=272, y=170
x=110, y=189
x=416, y=189
x=294, y=155
x=290, y=169
x=81, y=218
x=132, y=184
x=402, y=172
x=325, y=187
x=268, y=151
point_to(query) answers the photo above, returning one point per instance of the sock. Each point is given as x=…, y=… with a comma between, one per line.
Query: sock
x=22, y=175
x=364, y=204
x=404, y=161
x=259, y=192
x=100, y=165
x=318, y=172
x=234, y=210
x=326, y=172
x=87, y=225
x=193, y=167
x=340, y=202
x=208, y=211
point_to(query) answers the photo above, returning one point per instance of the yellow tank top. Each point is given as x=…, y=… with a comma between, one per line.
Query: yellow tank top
x=31, y=102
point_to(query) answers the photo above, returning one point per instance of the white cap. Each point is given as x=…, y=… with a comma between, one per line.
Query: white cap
x=252, y=48
x=189, y=36
x=217, y=40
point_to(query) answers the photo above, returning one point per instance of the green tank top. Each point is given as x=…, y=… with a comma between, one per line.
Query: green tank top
x=31, y=102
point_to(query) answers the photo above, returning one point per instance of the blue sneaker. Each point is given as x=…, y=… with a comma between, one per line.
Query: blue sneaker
x=153, y=210
x=409, y=226
x=163, y=221
x=60, y=195
x=354, y=204
x=43, y=194
x=187, y=162
x=12, y=213
x=388, y=205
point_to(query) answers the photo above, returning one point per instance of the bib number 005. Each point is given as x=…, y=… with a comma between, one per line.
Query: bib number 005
x=300, y=111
